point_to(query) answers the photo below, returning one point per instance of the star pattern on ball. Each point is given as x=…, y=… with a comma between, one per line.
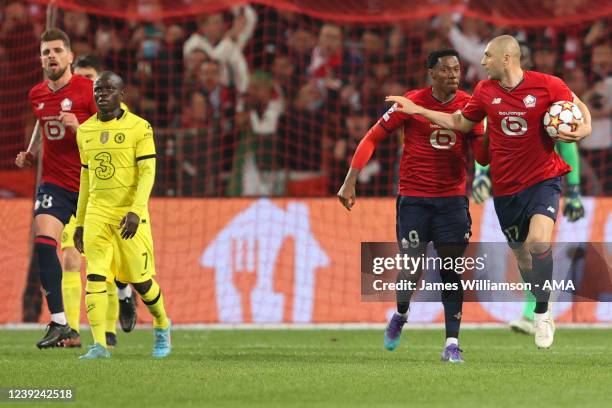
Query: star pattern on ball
x=568, y=105
x=554, y=121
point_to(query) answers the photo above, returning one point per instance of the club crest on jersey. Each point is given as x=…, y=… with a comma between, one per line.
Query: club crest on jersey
x=529, y=101
x=119, y=138
x=104, y=137
x=66, y=104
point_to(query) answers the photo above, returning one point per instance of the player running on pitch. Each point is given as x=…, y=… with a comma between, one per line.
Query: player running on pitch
x=432, y=203
x=525, y=169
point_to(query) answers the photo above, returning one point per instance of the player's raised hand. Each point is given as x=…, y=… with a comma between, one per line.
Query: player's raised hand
x=403, y=104
x=129, y=225
x=582, y=130
x=24, y=159
x=69, y=119
x=347, y=195
x=77, y=237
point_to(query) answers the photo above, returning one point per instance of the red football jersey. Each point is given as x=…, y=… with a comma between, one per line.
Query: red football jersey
x=61, y=162
x=434, y=160
x=522, y=153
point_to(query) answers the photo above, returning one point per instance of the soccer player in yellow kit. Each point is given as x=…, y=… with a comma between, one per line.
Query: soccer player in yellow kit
x=118, y=299
x=113, y=225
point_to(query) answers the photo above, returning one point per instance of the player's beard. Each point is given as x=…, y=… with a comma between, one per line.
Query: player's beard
x=55, y=76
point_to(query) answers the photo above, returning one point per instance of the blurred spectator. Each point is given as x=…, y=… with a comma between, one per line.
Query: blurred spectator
x=300, y=43
x=468, y=42
x=213, y=39
x=257, y=168
x=301, y=134
x=283, y=74
x=243, y=26
x=76, y=25
x=221, y=99
x=329, y=62
x=545, y=58
x=598, y=145
x=200, y=146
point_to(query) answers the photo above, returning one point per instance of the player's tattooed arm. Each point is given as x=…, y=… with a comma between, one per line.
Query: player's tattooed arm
x=454, y=121
x=583, y=129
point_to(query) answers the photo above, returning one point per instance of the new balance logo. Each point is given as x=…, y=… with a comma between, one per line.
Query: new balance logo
x=550, y=209
x=40, y=106
x=496, y=101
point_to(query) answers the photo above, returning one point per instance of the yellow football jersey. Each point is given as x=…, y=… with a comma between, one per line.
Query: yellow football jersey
x=111, y=151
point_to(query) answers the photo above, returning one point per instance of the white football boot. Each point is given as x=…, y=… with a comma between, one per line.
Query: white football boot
x=544, y=326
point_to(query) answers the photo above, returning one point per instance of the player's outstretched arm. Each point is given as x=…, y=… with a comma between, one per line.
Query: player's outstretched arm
x=583, y=129
x=455, y=121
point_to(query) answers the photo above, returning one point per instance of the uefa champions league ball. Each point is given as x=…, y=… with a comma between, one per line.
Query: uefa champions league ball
x=560, y=116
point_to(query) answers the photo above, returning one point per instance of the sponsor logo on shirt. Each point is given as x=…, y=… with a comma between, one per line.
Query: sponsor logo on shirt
x=550, y=209
x=496, y=101
x=529, y=101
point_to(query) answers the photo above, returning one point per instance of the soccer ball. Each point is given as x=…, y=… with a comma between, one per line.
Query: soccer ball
x=559, y=116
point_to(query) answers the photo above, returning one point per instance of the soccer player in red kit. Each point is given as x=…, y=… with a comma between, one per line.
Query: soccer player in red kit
x=60, y=103
x=525, y=170
x=432, y=203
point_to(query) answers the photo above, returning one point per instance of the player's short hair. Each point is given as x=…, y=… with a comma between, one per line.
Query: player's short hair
x=434, y=56
x=87, y=61
x=53, y=34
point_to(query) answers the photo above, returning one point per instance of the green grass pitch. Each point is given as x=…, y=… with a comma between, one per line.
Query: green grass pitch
x=321, y=368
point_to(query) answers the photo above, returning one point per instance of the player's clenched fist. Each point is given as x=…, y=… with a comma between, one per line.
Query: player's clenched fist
x=129, y=225
x=404, y=104
x=346, y=195
x=24, y=159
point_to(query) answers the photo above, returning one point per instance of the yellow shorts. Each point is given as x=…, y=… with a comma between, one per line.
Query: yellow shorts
x=127, y=260
x=68, y=233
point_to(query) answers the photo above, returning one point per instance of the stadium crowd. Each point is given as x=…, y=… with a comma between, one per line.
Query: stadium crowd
x=260, y=101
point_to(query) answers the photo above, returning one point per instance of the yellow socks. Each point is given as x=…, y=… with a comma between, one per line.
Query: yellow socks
x=71, y=290
x=112, y=311
x=155, y=302
x=96, y=300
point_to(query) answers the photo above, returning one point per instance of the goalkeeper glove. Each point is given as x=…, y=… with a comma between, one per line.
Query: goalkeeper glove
x=481, y=186
x=572, y=206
